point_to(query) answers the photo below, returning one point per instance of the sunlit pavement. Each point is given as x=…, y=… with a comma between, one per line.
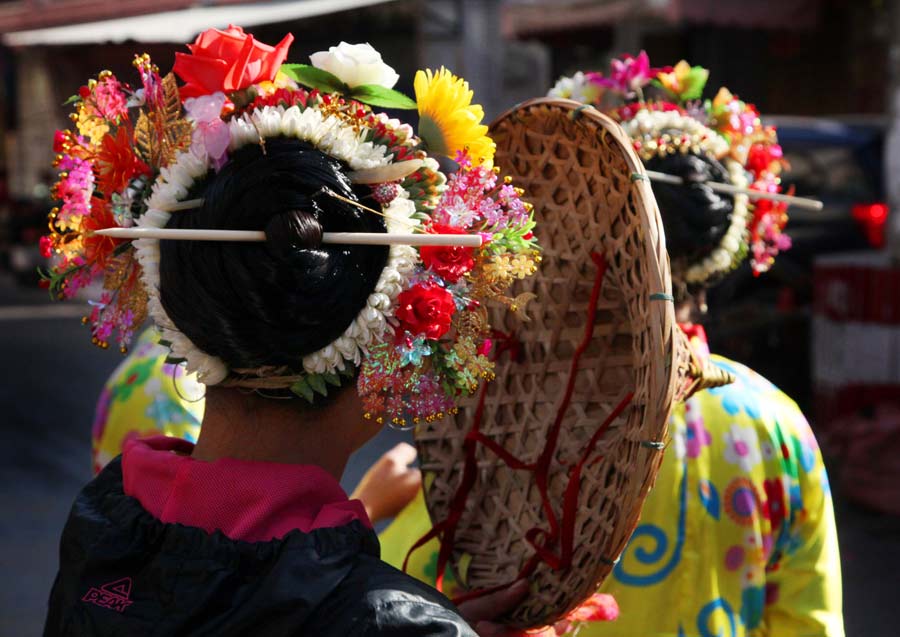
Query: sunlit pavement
x=52, y=378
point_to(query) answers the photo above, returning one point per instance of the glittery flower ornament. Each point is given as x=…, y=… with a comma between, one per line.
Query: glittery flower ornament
x=105, y=166
x=667, y=118
x=140, y=157
x=767, y=223
x=442, y=334
x=629, y=74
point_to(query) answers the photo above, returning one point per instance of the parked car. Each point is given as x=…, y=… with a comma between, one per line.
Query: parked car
x=766, y=321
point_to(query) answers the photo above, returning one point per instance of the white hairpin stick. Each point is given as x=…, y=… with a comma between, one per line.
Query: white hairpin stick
x=800, y=202
x=343, y=238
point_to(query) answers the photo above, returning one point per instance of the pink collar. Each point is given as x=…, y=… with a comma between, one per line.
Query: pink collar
x=249, y=501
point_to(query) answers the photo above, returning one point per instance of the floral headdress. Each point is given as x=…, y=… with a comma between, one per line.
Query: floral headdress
x=135, y=157
x=661, y=110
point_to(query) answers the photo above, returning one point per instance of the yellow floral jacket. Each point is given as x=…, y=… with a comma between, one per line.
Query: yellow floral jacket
x=737, y=538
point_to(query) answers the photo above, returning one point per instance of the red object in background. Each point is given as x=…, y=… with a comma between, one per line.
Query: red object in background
x=787, y=299
x=856, y=348
x=872, y=217
x=867, y=444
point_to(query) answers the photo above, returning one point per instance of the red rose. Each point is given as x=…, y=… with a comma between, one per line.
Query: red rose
x=228, y=61
x=448, y=262
x=425, y=308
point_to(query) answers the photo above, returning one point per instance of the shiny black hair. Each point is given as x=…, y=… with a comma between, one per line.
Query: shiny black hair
x=272, y=303
x=695, y=217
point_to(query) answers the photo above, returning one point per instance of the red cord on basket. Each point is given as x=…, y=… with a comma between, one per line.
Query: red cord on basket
x=562, y=530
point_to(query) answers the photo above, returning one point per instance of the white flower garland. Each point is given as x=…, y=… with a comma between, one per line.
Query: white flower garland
x=651, y=125
x=331, y=136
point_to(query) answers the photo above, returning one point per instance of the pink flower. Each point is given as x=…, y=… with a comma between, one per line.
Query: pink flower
x=630, y=74
x=599, y=607
x=110, y=98
x=211, y=134
x=698, y=435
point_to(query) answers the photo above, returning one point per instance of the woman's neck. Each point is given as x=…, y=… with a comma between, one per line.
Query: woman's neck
x=249, y=427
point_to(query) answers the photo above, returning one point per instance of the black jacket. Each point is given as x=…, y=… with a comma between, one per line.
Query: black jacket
x=122, y=572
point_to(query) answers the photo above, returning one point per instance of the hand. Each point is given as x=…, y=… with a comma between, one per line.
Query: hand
x=481, y=612
x=389, y=484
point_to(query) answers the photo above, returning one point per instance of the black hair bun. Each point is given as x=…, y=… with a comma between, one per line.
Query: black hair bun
x=272, y=303
x=694, y=216
x=293, y=232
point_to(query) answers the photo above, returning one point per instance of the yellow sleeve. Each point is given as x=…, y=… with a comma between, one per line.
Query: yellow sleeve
x=803, y=580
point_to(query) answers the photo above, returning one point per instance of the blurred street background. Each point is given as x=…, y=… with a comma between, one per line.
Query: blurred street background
x=824, y=324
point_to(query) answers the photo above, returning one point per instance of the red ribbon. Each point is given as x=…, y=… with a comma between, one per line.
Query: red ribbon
x=562, y=530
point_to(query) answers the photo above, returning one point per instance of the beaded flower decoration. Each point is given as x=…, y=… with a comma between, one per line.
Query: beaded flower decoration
x=662, y=111
x=137, y=156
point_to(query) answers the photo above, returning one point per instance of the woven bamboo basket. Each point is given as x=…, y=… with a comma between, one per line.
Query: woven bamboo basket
x=578, y=169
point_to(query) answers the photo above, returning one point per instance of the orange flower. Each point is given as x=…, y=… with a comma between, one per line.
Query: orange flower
x=97, y=248
x=116, y=162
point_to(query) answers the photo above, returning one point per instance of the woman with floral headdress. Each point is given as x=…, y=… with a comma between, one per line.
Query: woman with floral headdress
x=738, y=535
x=331, y=283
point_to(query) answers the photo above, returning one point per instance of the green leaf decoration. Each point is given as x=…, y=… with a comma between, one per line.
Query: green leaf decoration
x=431, y=135
x=691, y=83
x=695, y=83
x=347, y=372
x=317, y=383
x=375, y=95
x=332, y=379
x=72, y=100
x=302, y=389
x=312, y=77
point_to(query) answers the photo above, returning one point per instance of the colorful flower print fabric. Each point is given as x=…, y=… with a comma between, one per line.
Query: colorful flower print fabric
x=736, y=539
x=145, y=396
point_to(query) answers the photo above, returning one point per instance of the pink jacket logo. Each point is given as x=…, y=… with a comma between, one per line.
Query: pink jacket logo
x=115, y=595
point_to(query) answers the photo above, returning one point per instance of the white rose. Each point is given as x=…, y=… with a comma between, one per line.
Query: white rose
x=355, y=65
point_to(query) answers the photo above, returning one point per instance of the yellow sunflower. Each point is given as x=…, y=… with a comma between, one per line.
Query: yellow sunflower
x=448, y=121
